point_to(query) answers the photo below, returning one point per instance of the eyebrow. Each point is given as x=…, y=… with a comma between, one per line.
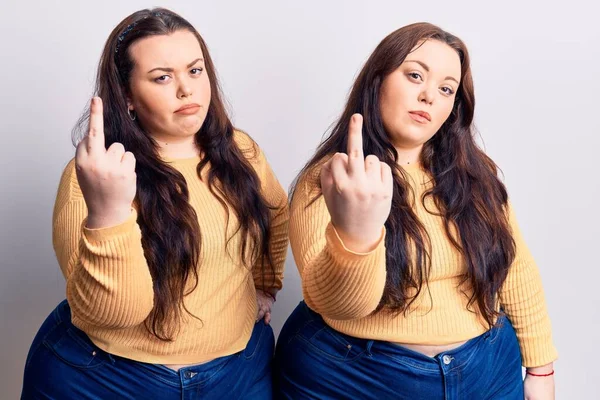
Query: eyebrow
x=426, y=68
x=171, y=69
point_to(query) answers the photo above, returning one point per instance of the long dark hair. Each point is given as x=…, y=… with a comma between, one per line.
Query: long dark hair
x=466, y=190
x=171, y=236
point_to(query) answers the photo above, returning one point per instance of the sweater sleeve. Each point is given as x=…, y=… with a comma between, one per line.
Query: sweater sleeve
x=108, y=281
x=522, y=297
x=336, y=282
x=270, y=278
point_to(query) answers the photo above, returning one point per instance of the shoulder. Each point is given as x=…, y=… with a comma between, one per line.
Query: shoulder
x=68, y=180
x=68, y=188
x=308, y=183
x=248, y=147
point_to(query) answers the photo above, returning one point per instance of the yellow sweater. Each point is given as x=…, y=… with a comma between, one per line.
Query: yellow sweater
x=109, y=287
x=346, y=287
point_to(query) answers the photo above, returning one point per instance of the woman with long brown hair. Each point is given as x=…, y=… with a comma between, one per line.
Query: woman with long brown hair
x=417, y=283
x=170, y=229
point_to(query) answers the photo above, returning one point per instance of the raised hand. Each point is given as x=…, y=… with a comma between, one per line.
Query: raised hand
x=358, y=192
x=106, y=176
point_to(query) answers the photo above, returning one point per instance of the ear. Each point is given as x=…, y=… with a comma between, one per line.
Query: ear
x=129, y=100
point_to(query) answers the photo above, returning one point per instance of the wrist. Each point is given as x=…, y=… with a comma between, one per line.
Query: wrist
x=105, y=220
x=269, y=294
x=544, y=370
x=363, y=243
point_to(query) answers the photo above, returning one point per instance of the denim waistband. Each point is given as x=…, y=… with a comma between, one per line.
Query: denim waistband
x=188, y=376
x=451, y=359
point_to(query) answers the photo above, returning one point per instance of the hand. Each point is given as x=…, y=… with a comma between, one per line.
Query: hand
x=107, y=177
x=539, y=387
x=265, y=303
x=358, y=192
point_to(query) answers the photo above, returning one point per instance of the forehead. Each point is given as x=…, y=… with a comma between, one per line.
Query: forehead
x=172, y=50
x=439, y=57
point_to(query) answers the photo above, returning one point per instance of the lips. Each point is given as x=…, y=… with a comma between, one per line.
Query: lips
x=188, y=109
x=420, y=116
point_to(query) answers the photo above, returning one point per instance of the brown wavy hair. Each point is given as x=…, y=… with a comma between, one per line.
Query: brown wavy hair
x=466, y=189
x=171, y=236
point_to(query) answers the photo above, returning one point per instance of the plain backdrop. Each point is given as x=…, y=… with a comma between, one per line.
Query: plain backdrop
x=286, y=68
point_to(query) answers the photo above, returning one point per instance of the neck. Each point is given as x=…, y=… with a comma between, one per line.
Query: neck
x=408, y=155
x=173, y=147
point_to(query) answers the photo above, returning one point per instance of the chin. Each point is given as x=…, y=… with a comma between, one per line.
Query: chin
x=411, y=138
x=191, y=129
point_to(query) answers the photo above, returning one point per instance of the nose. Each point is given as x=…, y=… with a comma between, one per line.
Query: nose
x=427, y=95
x=184, y=90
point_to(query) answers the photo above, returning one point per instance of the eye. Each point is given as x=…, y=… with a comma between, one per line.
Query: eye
x=162, y=79
x=415, y=75
x=197, y=71
x=448, y=90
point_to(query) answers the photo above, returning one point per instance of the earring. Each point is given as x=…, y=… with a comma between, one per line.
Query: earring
x=132, y=114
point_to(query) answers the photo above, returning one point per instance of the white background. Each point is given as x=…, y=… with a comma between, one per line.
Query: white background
x=286, y=68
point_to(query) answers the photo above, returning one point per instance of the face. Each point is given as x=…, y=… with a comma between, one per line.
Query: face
x=169, y=87
x=417, y=98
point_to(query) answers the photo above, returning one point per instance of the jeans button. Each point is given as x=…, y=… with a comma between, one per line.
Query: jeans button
x=447, y=359
x=187, y=374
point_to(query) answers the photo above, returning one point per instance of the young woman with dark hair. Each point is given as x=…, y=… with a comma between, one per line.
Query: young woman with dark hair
x=170, y=229
x=417, y=282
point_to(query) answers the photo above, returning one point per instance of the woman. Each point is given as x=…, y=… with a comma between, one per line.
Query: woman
x=169, y=227
x=417, y=283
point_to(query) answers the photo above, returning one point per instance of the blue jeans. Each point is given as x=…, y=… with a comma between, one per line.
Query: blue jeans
x=314, y=361
x=63, y=363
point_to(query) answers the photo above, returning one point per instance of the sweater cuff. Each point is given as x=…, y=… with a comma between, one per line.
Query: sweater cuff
x=341, y=252
x=109, y=233
x=536, y=353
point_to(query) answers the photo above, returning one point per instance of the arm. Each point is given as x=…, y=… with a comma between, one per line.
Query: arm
x=336, y=282
x=268, y=278
x=108, y=281
x=522, y=297
x=338, y=240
